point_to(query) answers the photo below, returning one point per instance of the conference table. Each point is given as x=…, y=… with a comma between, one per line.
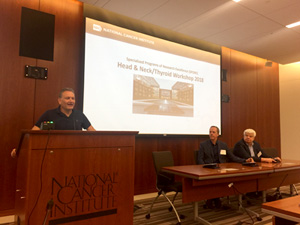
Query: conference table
x=200, y=183
x=285, y=211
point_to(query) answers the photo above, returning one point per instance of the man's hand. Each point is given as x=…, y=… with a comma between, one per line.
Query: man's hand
x=249, y=160
x=91, y=128
x=268, y=160
x=278, y=159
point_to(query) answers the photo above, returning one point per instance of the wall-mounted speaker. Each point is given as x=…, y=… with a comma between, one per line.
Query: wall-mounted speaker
x=37, y=34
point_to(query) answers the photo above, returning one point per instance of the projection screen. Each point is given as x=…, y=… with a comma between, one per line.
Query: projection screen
x=136, y=82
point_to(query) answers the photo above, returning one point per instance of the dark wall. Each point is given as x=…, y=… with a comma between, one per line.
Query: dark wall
x=252, y=87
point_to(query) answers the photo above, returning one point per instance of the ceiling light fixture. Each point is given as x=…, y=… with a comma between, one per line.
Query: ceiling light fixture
x=293, y=24
x=236, y=0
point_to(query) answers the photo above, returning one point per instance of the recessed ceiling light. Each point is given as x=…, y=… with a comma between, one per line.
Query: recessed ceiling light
x=236, y=0
x=293, y=24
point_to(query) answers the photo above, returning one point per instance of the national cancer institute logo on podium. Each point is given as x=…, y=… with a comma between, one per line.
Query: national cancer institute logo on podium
x=84, y=194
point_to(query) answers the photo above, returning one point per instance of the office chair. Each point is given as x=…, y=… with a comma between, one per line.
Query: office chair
x=196, y=152
x=271, y=152
x=165, y=182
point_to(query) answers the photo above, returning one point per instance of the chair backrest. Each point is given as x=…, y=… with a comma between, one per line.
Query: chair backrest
x=273, y=152
x=162, y=159
x=196, y=152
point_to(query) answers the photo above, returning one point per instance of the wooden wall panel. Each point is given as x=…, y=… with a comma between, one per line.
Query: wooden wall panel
x=243, y=93
x=17, y=96
x=254, y=98
x=267, y=109
x=226, y=106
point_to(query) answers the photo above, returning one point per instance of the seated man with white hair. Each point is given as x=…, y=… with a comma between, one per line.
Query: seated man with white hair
x=247, y=147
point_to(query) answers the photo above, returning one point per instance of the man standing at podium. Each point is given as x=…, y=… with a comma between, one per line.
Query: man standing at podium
x=65, y=117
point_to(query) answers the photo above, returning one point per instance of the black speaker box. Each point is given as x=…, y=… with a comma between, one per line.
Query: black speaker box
x=37, y=34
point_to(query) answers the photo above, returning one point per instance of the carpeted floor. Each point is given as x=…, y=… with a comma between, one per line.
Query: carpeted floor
x=161, y=215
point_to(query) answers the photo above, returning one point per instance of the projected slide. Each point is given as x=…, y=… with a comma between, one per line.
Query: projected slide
x=162, y=97
x=135, y=82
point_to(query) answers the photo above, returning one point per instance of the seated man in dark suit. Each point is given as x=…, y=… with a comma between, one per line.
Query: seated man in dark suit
x=247, y=147
x=215, y=151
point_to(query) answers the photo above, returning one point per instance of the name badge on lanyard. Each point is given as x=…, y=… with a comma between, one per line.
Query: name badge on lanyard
x=223, y=152
x=259, y=154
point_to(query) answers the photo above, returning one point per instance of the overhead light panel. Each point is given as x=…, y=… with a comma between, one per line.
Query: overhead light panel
x=236, y=0
x=293, y=24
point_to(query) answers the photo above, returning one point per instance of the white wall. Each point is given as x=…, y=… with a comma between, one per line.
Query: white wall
x=289, y=84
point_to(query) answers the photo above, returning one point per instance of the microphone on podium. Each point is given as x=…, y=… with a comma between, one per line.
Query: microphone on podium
x=49, y=209
x=47, y=125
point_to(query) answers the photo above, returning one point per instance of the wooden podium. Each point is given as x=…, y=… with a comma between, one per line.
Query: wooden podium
x=75, y=177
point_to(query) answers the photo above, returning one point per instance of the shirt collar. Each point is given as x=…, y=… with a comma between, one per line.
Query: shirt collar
x=213, y=143
x=61, y=113
x=247, y=143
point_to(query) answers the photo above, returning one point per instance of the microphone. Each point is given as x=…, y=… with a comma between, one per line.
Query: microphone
x=49, y=209
x=47, y=125
x=50, y=204
x=75, y=121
